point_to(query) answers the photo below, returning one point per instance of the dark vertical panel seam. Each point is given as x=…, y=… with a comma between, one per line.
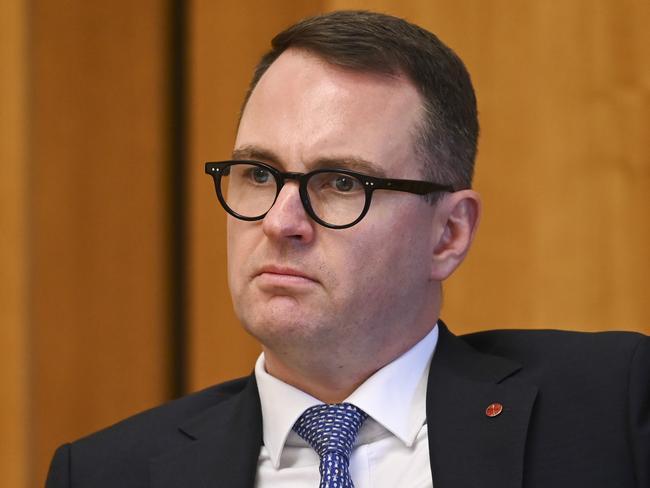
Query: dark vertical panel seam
x=177, y=197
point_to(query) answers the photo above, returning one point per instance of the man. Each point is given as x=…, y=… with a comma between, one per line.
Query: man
x=350, y=202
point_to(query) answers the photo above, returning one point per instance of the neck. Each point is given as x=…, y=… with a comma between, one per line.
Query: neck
x=326, y=386
x=334, y=380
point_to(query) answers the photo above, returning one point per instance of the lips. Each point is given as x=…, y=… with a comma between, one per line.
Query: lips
x=273, y=275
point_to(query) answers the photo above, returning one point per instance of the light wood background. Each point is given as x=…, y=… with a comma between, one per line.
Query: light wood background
x=85, y=232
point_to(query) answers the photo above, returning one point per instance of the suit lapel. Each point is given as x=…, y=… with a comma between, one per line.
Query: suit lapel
x=467, y=448
x=222, y=449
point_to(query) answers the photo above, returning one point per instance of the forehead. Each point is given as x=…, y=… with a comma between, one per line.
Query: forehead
x=304, y=109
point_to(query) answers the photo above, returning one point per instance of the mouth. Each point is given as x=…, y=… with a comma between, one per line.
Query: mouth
x=283, y=276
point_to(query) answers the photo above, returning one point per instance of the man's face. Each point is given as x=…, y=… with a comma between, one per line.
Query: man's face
x=305, y=290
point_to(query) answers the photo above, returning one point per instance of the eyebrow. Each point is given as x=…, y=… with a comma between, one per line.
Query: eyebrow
x=351, y=163
x=257, y=154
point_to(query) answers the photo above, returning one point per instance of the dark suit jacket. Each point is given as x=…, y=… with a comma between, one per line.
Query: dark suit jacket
x=576, y=414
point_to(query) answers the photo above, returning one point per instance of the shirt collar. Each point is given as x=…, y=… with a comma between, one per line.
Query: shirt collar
x=395, y=397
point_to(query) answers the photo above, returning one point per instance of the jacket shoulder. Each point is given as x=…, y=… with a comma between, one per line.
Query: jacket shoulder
x=123, y=450
x=593, y=392
x=168, y=416
x=573, y=364
x=544, y=346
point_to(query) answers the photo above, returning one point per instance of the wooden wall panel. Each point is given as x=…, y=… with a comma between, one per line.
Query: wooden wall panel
x=563, y=162
x=98, y=184
x=226, y=41
x=14, y=337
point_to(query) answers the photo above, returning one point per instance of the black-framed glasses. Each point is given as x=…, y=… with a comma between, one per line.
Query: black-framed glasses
x=335, y=198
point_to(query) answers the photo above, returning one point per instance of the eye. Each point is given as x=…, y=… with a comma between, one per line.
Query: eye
x=344, y=183
x=261, y=175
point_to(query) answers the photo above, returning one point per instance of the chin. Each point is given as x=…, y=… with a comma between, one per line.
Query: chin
x=280, y=325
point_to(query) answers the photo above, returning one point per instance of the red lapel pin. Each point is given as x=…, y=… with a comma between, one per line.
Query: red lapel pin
x=494, y=409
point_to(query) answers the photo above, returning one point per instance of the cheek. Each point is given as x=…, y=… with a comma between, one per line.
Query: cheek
x=230, y=251
x=354, y=267
x=391, y=258
x=236, y=254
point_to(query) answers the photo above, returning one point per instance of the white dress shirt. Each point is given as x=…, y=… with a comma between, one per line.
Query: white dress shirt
x=392, y=448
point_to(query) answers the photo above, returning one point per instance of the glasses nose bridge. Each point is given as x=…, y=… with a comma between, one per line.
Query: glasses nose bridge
x=291, y=175
x=300, y=179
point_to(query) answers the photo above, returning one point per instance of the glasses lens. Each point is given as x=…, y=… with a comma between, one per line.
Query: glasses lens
x=336, y=198
x=249, y=190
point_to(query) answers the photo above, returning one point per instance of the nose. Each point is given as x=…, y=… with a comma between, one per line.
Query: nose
x=288, y=218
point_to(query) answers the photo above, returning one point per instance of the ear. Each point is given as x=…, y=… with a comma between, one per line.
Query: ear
x=457, y=218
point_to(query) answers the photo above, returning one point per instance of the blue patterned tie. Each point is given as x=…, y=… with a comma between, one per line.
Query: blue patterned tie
x=331, y=431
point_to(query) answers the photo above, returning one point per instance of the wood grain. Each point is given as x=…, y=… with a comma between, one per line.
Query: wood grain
x=98, y=192
x=14, y=322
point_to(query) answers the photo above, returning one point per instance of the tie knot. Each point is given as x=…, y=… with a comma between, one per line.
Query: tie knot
x=331, y=428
